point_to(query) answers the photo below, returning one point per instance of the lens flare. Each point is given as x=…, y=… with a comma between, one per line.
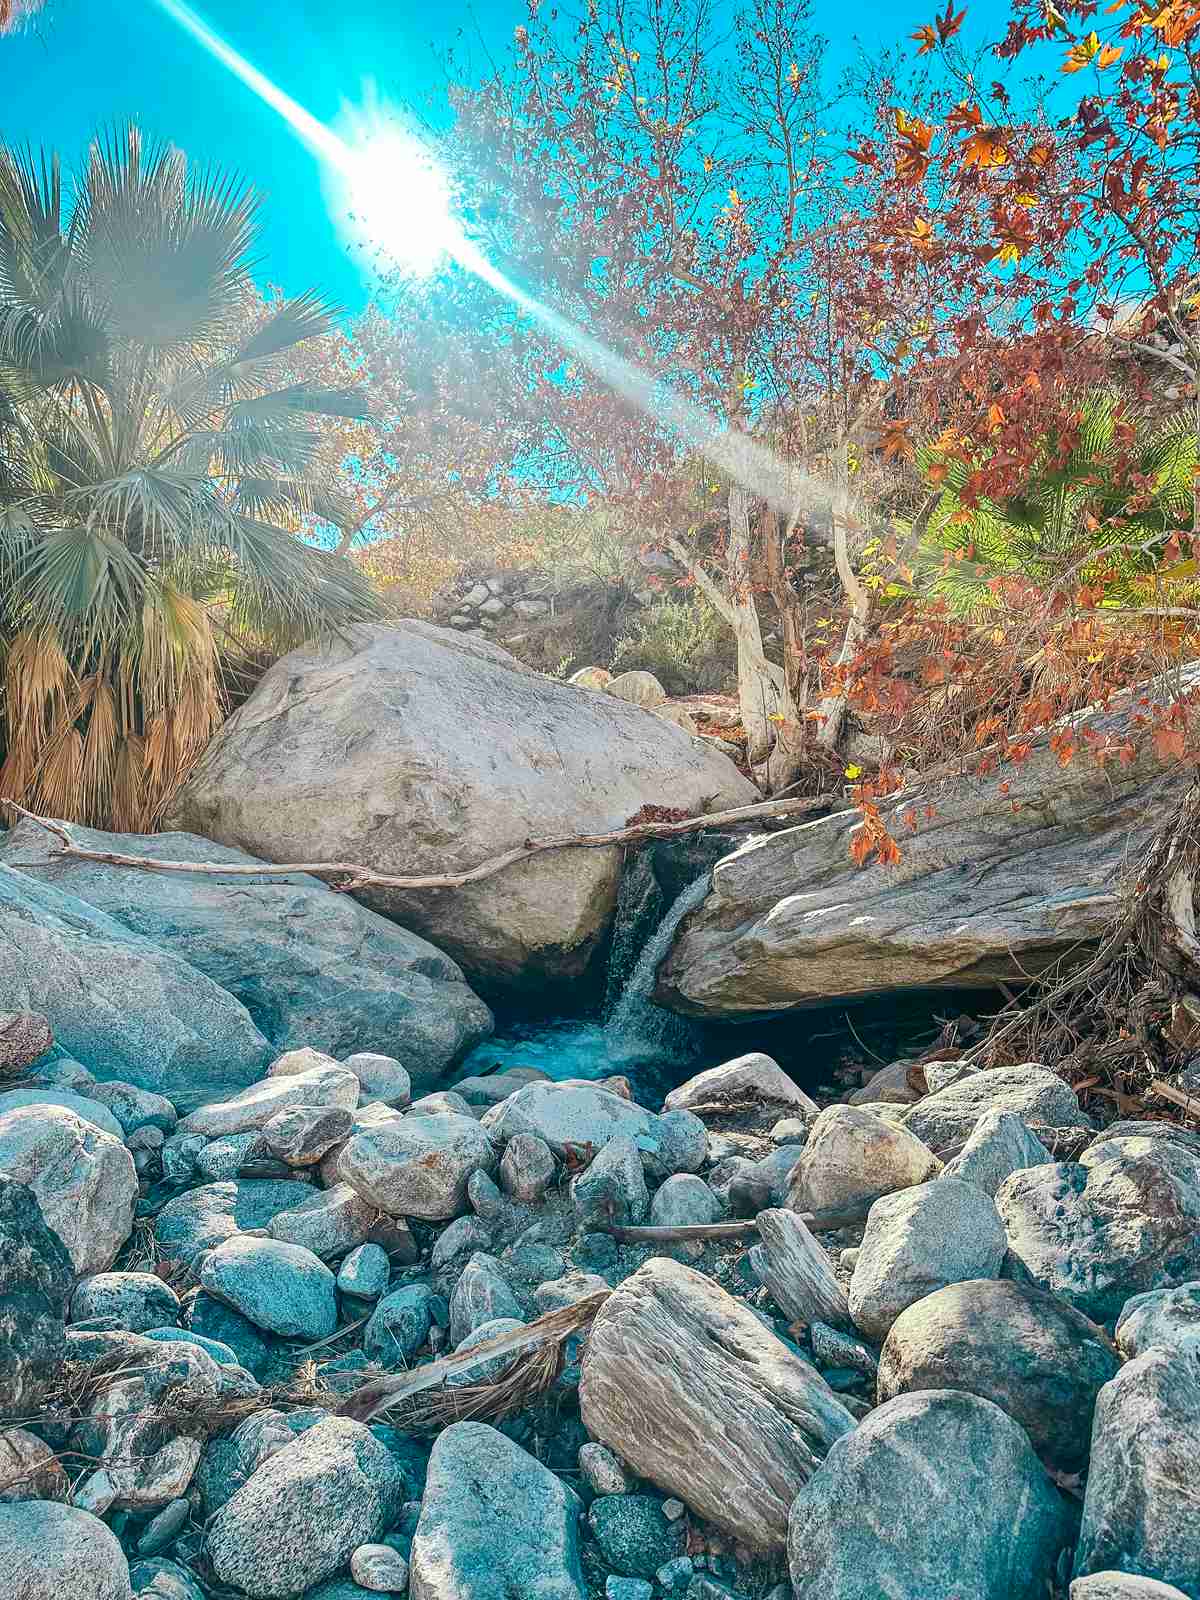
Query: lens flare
x=403, y=205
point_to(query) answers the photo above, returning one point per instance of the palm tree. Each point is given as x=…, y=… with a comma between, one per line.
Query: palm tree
x=1088, y=515
x=154, y=476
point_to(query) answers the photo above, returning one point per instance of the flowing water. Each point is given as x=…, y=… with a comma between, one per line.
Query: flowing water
x=632, y=1034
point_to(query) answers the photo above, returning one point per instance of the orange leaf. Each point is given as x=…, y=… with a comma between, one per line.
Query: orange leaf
x=1169, y=744
x=926, y=38
x=1110, y=53
x=985, y=149
x=1081, y=53
x=1041, y=154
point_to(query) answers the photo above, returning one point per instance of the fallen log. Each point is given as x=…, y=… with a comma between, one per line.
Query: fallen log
x=355, y=876
x=824, y=1221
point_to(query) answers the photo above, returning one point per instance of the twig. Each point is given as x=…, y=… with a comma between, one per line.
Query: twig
x=360, y=877
x=826, y=1221
x=1187, y=1103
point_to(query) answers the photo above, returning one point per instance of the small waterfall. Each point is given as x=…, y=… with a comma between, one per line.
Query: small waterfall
x=635, y=1025
x=640, y=907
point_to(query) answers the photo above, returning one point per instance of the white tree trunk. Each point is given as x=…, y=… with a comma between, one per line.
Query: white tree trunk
x=833, y=707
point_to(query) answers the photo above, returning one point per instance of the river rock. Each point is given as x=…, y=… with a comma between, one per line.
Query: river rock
x=999, y=1145
x=1038, y=1359
x=36, y=1274
x=1123, y=1586
x=82, y=1106
x=301, y=1135
x=932, y=1497
x=1039, y=1097
x=365, y=1272
x=795, y=1271
x=889, y=1084
x=418, y=1166
x=138, y=1300
x=1141, y=1508
x=329, y=1222
x=305, y=1510
x=994, y=885
x=579, y=1116
x=216, y=1323
x=634, y=1536
x=481, y=1295
x=1167, y=1317
x=613, y=1189
x=400, y=1325
x=494, y=1523
x=29, y=1468
x=752, y=1078
x=379, y=1569
x=308, y=965
x=918, y=1241
x=121, y=1005
x=250, y=1111
x=82, y=1179
x=1122, y=1220
x=50, y=1551
x=852, y=1155
x=203, y=1218
x=25, y=1036
x=639, y=688
x=135, y=1108
x=684, y=1201
x=381, y=1078
x=155, y=1578
x=527, y=1169
x=685, y=1384
x=281, y=1288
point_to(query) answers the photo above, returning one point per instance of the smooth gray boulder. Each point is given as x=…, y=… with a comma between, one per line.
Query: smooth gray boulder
x=118, y=1003
x=305, y=1510
x=613, y=1187
x=83, y=1180
x=932, y=1497
x=686, y=1385
x=1123, y=1586
x=311, y=967
x=83, y=1106
x=1036, y=1357
x=255, y=1106
x=369, y=750
x=1122, y=1220
x=418, y=1166
x=399, y=1325
x=281, y=1288
x=996, y=884
x=1168, y=1317
x=752, y=1080
x=917, y=1242
x=999, y=1145
x=200, y=1219
x=481, y=1294
x=495, y=1523
x=1038, y=1096
x=584, y=1117
x=50, y=1551
x=36, y=1275
x=1141, y=1508
x=329, y=1222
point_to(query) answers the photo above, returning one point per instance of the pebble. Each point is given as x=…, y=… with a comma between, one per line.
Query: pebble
x=379, y=1568
x=603, y=1472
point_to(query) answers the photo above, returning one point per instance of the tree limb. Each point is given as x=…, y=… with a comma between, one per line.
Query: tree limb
x=358, y=877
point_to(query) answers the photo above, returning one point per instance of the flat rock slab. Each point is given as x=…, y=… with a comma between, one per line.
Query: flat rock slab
x=685, y=1384
x=495, y=1523
x=310, y=966
x=992, y=886
x=369, y=750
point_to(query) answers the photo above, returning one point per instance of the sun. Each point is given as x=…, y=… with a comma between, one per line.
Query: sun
x=400, y=202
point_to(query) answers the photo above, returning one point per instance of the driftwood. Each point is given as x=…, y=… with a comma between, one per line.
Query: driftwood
x=354, y=876
x=826, y=1221
x=540, y=1338
x=795, y=1271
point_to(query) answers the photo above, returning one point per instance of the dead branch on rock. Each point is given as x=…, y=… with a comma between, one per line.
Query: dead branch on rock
x=353, y=876
x=816, y=1221
x=1119, y=1023
x=538, y=1348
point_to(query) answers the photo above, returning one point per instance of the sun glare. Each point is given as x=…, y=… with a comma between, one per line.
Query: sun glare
x=400, y=204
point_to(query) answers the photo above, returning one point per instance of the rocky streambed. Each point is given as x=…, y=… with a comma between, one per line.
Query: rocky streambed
x=973, y=1371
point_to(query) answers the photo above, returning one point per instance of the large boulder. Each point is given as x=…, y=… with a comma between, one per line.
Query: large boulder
x=1141, y=1509
x=370, y=750
x=305, y=1510
x=1122, y=1220
x=311, y=967
x=203, y=1218
x=688, y=1387
x=933, y=1497
x=495, y=1523
x=851, y=1156
x=83, y=1180
x=418, y=1166
x=578, y=1117
x=36, y=1274
x=1039, y=1097
x=122, y=1005
x=1038, y=1358
x=999, y=882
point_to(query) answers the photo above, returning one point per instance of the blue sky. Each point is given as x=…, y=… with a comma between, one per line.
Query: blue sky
x=95, y=62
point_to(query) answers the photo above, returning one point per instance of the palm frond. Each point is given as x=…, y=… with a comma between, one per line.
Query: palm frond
x=306, y=316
